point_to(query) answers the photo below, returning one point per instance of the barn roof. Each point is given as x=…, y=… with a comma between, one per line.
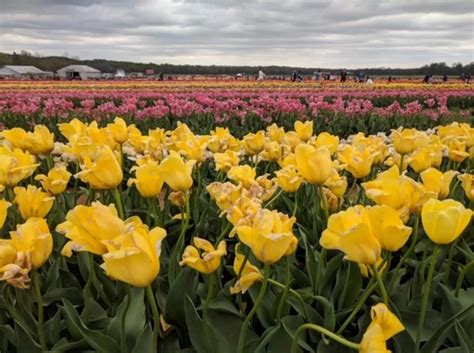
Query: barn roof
x=24, y=69
x=78, y=68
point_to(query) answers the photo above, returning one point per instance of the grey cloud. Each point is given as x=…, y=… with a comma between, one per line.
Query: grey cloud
x=256, y=32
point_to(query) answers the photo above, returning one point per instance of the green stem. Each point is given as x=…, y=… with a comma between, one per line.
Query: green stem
x=296, y=205
x=154, y=209
x=284, y=295
x=118, y=201
x=156, y=315
x=223, y=233
x=37, y=289
x=261, y=296
x=178, y=249
x=292, y=292
x=370, y=288
x=463, y=273
x=322, y=330
x=124, y=318
x=406, y=254
x=205, y=314
x=273, y=198
x=426, y=295
x=402, y=157
x=383, y=291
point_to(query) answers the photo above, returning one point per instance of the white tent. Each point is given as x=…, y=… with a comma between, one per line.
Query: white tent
x=82, y=72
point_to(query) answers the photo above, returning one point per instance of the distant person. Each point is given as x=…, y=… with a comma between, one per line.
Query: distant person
x=261, y=75
x=343, y=75
x=426, y=79
x=294, y=75
x=445, y=78
x=161, y=77
x=318, y=75
x=467, y=78
x=389, y=78
x=369, y=81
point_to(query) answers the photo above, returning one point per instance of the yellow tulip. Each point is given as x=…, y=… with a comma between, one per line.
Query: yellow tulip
x=276, y=133
x=209, y=259
x=103, y=171
x=407, y=140
x=249, y=275
x=32, y=201
x=425, y=157
x=224, y=194
x=254, y=143
x=325, y=139
x=41, y=141
x=193, y=148
x=4, y=205
x=336, y=183
x=221, y=140
x=271, y=152
x=88, y=226
x=74, y=127
x=226, y=160
x=17, y=137
x=56, y=181
x=148, y=179
x=437, y=181
x=289, y=179
x=304, y=130
x=264, y=188
x=384, y=326
x=361, y=233
x=243, y=209
x=244, y=174
x=467, y=182
x=34, y=239
x=313, y=164
x=456, y=149
x=134, y=257
x=444, y=221
x=357, y=160
x=375, y=144
x=119, y=130
x=397, y=191
x=269, y=235
x=15, y=166
x=14, y=265
x=176, y=173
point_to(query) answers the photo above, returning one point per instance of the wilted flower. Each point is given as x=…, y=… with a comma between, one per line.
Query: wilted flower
x=206, y=262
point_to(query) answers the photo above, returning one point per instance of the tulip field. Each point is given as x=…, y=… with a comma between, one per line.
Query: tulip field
x=232, y=217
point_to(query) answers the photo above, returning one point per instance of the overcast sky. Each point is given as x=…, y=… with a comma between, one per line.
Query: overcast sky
x=326, y=33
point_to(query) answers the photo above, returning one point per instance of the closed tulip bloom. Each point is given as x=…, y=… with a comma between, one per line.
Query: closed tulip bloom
x=357, y=160
x=15, y=166
x=226, y=160
x=244, y=174
x=313, y=164
x=119, y=130
x=254, y=143
x=134, y=257
x=17, y=137
x=74, y=127
x=208, y=260
x=148, y=179
x=384, y=326
x=176, y=173
x=289, y=179
x=249, y=275
x=467, y=182
x=407, y=140
x=56, y=181
x=444, y=221
x=88, y=226
x=269, y=235
x=33, y=238
x=424, y=158
x=32, y=201
x=325, y=139
x=4, y=205
x=276, y=133
x=361, y=233
x=102, y=172
x=437, y=181
x=304, y=130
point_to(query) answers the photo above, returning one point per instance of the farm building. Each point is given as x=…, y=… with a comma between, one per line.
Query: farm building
x=19, y=71
x=78, y=72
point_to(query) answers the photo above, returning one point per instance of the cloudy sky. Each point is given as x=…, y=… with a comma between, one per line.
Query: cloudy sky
x=306, y=33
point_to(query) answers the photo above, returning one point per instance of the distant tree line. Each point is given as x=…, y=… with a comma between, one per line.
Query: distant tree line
x=53, y=63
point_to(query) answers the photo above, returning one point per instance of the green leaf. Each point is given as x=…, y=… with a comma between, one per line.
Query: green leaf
x=145, y=341
x=465, y=341
x=291, y=324
x=99, y=341
x=58, y=294
x=436, y=340
x=184, y=285
x=24, y=342
x=203, y=339
x=52, y=328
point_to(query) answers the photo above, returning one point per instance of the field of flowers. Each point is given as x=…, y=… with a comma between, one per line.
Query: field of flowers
x=223, y=217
